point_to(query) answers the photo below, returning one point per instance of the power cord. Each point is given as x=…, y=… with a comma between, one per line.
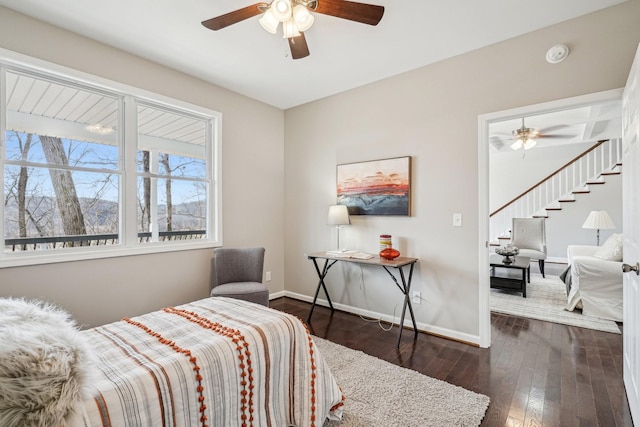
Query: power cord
x=378, y=320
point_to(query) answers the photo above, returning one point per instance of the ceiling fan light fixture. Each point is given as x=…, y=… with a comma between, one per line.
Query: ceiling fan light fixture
x=269, y=22
x=302, y=17
x=290, y=29
x=281, y=9
x=524, y=137
x=99, y=129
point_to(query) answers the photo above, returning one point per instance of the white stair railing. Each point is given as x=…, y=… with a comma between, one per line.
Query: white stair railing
x=561, y=185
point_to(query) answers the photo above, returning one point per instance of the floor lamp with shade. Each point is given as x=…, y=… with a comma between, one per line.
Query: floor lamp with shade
x=599, y=220
x=338, y=216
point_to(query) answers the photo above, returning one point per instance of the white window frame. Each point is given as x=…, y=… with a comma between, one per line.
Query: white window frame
x=130, y=96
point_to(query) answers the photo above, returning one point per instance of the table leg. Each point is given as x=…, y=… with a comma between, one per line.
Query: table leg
x=407, y=284
x=525, y=274
x=321, y=275
x=405, y=288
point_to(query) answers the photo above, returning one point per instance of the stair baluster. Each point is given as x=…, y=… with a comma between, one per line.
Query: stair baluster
x=548, y=194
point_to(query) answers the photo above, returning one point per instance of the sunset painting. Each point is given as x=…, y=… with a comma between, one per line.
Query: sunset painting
x=377, y=187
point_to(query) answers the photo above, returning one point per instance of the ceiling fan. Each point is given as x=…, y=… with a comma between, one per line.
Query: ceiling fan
x=296, y=18
x=525, y=137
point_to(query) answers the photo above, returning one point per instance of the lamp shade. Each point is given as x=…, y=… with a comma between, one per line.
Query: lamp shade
x=338, y=215
x=303, y=18
x=269, y=22
x=599, y=220
x=289, y=29
x=281, y=9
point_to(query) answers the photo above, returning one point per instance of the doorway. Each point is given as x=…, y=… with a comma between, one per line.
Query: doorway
x=485, y=121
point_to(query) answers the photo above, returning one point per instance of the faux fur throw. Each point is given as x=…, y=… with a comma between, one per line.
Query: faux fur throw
x=44, y=364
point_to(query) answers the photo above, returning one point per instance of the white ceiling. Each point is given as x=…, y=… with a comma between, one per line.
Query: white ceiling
x=588, y=123
x=246, y=59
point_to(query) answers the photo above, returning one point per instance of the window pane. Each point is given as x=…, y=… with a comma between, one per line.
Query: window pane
x=79, y=123
x=172, y=167
x=185, y=208
x=44, y=206
x=182, y=215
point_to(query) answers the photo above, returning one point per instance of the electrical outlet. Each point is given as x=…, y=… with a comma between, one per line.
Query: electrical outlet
x=267, y=276
x=417, y=298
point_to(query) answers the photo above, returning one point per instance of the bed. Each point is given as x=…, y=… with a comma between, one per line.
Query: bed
x=213, y=362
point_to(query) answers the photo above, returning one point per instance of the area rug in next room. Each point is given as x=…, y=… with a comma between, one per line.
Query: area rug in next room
x=381, y=394
x=546, y=300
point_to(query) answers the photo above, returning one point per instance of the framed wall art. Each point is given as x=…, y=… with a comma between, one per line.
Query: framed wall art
x=376, y=187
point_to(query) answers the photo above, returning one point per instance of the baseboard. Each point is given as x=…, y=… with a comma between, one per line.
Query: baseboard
x=275, y=295
x=422, y=327
x=556, y=260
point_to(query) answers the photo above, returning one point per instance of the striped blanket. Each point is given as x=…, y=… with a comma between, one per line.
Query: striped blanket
x=214, y=362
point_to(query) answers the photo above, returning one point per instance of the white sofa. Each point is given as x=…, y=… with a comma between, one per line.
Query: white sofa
x=596, y=283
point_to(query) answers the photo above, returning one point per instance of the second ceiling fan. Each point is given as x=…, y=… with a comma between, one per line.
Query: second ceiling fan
x=525, y=137
x=296, y=18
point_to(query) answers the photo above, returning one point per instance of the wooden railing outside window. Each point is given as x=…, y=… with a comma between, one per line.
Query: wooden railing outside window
x=56, y=242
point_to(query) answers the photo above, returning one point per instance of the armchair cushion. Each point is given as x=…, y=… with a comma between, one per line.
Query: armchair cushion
x=532, y=253
x=247, y=291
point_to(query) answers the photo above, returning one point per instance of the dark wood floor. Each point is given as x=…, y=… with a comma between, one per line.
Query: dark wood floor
x=536, y=373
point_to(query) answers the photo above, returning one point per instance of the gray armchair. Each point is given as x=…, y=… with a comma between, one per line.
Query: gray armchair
x=529, y=236
x=237, y=273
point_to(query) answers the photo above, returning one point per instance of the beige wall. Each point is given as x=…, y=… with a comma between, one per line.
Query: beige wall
x=253, y=191
x=431, y=114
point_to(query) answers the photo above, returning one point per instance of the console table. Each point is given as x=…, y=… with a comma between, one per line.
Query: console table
x=404, y=284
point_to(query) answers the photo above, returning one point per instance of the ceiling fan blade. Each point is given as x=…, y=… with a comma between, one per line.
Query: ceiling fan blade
x=360, y=12
x=234, y=17
x=556, y=136
x=553, y=128
x=298, y=46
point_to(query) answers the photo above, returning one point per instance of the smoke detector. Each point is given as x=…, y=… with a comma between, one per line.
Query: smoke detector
x=557, y=53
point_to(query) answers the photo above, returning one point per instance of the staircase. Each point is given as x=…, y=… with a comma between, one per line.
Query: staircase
x=575, y=177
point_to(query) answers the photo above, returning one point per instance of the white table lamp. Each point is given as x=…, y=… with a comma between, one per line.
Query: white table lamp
x=338, y=216
x=599, y=220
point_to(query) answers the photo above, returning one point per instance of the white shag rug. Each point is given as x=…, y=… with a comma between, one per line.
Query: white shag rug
x=45, y=364
x=381, y=394
x=546, y=300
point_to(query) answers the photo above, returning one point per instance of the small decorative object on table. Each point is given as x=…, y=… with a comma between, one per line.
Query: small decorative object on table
x=386, y=250
x=389, y=253
x=508, y=252
x=385, y=241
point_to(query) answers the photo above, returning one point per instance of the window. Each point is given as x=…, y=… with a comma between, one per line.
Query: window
x=172, y=175
x=77, y=155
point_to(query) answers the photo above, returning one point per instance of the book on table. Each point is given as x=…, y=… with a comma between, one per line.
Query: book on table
x=349, y=254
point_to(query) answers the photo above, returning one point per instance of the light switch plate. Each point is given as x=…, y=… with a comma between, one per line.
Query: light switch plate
x=457, y=220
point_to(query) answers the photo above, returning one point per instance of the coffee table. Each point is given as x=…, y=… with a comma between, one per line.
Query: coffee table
x=512, y=276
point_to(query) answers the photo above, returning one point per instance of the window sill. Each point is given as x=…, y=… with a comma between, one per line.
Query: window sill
x=89, y=253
